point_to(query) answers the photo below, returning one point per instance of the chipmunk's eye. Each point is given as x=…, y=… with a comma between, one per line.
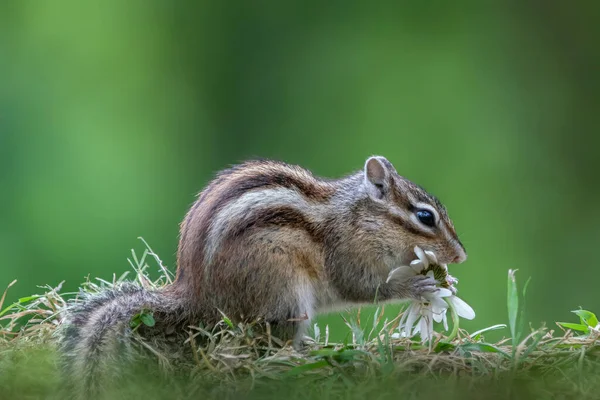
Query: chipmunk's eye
x=426, y=217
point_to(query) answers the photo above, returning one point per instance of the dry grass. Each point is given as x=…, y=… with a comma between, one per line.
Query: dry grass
x=229, y=359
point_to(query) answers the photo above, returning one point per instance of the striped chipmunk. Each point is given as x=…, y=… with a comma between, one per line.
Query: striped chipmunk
x=267, y=240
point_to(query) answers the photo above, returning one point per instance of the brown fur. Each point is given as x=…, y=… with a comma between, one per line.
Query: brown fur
x=229, y=185
x=271, y=241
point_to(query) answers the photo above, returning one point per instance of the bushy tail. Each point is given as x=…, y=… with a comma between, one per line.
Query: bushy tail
x=96, y=336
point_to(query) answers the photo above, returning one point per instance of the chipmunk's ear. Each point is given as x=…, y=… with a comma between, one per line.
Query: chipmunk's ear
x=377, y=176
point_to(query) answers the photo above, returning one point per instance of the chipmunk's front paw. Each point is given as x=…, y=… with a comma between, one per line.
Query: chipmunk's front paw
x=421, y=285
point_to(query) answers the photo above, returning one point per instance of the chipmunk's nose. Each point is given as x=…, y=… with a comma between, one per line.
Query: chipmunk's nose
x=459, y=259
x=461, y=256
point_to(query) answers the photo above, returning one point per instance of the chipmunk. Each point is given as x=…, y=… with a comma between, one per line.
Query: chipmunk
x=269, y=240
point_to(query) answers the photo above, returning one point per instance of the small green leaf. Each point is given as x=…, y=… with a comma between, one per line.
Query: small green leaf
x=135, y=321
x=575, y=327
x=482, y=348
x=147, y=319
x=444, y=346
x=226, y=320
x=587, y=317
x=29, y=298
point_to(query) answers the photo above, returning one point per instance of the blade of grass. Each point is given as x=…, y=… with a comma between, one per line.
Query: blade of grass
x=475, y=334
x=521, y=319
x=4, y=295
x=513, y=307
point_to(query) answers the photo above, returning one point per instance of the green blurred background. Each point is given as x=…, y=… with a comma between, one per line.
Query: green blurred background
x=114, y=114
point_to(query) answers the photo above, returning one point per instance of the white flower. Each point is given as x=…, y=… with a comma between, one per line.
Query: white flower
x=420, y=314
x=462, y=309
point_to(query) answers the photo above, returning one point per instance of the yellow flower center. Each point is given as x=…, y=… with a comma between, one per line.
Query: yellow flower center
x=439, y=273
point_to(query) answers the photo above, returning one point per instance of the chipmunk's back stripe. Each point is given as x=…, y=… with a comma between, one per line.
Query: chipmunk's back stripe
x=220, y=201
x=260, y=208
x=275, y=216
x=252, y=176
x=286, y=216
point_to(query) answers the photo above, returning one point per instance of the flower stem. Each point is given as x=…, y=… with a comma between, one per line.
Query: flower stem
x=454, y=332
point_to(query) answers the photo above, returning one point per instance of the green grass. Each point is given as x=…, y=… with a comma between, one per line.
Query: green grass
x=243, y=360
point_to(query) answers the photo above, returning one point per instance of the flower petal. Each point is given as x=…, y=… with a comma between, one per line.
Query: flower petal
x=462, y=309
x=445, y=321
x=431, y=256
x=430, y=326
x=425, y=325
x=417, y=266
x=424, y=329
x=401, y=273
x=438, y=315
x=413, y=313
x=438, y=305
x=421, y=255
x=402, y=319
x=443, y=292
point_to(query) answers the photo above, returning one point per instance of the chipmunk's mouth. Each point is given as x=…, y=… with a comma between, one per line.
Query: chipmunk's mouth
x=427, y=262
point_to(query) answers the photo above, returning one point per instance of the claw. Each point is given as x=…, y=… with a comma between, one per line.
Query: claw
x=423, y=285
